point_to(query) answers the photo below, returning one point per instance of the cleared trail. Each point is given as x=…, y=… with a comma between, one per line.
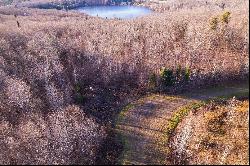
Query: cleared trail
x=142, y=123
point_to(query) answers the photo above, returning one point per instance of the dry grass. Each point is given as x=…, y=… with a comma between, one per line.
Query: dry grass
x=214, y=134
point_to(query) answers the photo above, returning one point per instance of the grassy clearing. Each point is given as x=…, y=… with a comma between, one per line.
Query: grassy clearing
x=144, y=124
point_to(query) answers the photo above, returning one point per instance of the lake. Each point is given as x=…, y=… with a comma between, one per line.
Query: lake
x=122, y=12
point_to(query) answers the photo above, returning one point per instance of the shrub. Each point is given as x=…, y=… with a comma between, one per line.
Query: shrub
x=167, y=77
x=214, y=23
x=225, y=17
x=187, y=73
x=179, y=77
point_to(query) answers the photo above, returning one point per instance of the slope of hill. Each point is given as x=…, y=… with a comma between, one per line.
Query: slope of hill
x=64, y=75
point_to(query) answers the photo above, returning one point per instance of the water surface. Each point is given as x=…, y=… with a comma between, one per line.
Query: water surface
x=123, y=12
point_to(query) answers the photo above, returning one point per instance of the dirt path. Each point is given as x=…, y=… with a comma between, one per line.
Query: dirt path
x=142, y=123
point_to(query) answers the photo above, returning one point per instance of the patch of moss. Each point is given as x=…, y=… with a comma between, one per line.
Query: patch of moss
x=180, y=114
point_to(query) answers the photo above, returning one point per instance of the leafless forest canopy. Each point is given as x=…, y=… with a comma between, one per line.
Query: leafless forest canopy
x=63, y=74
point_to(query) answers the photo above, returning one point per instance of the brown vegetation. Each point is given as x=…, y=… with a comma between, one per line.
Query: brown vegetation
x=216, y=133
x=66, y=136
x=52, y=59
